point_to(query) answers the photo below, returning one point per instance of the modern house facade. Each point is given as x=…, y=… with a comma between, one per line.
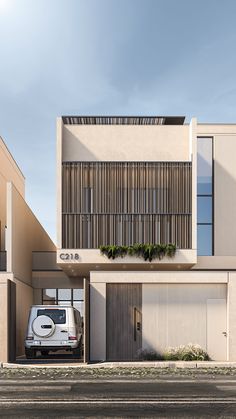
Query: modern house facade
x=135, y=180
x=124, y=181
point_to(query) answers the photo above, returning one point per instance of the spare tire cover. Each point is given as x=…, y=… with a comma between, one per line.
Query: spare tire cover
x=43, y=326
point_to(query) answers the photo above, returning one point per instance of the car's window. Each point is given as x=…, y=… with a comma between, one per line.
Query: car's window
x=57, y=315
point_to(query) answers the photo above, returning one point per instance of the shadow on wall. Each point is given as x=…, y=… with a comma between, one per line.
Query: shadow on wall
x=97, y=322
x=224, y=211
x=74, y=150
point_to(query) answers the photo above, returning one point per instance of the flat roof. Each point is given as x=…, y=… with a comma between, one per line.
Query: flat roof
x=123, y=120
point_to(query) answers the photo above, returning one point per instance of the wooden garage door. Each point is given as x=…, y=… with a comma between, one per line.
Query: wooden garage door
x=124, y=321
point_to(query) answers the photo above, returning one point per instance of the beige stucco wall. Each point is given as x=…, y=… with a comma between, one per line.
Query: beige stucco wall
x=56, y=279
x=3, y=318
x=9, y=172
x=24, y=235
x=215, y=262
x=98, y=322
x=24, y=299
x=125, y=143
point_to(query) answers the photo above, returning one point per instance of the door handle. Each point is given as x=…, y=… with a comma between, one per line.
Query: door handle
x=135, y=319
x=224, y=333
x=64, y=331
x=138, y=326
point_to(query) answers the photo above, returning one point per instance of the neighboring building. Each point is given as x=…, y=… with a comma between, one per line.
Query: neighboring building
x=20, y=235
x=126, y=180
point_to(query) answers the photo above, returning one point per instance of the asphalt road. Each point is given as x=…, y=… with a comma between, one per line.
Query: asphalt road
x=163, y=398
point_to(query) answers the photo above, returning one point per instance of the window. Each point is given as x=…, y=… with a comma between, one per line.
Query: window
x=204, y=209
x=204, y=196
x=49, y=296
x=65, y=297
x=58, y=316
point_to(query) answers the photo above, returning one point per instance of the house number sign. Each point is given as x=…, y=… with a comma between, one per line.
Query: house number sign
x=69, y=256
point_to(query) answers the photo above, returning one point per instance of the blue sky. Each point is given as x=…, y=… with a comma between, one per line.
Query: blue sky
x=59, y=57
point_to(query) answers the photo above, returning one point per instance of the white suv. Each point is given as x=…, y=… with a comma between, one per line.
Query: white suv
x=53, y=328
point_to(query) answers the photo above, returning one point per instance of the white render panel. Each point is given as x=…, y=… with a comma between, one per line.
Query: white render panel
x=225, y=197
x=217, y=328
x=125, y=143
x=98, y=322
x=175, y=314
x=232, y=316
x=193, y=142
x=190, y=277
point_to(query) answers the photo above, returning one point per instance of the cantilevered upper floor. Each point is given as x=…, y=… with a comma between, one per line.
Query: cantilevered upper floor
x=126, y=180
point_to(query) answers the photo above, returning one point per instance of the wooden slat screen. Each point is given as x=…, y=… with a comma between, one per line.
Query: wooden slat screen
x=126, y=203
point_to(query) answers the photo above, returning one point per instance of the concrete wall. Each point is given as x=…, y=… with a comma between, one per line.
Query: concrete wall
x=175, y=314
x=225, y=195
x=24, y=235
x=9, y=172
x=224, y=137
x=125, y=143
x=59, y=181
x=232, y=316
x=216, y=282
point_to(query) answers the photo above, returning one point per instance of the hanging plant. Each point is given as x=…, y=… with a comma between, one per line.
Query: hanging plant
x=146, y=251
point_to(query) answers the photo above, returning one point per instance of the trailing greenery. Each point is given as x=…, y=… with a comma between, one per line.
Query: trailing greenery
x=188, y=352
x=146, y=251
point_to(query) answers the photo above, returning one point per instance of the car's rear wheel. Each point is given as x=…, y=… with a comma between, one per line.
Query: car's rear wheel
x=78, y=351
x=30, y=353
x=44, y=353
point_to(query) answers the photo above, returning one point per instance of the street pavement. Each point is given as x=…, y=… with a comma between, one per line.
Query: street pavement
x=167, y=397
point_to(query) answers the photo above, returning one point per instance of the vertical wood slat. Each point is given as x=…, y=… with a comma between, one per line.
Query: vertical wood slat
x=124, y=203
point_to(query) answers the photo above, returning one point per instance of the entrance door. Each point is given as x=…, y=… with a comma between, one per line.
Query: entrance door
x=124, y=321
x=216, y=329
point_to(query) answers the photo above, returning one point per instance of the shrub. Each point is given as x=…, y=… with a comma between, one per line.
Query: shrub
x=190, y=352
x=148, y=355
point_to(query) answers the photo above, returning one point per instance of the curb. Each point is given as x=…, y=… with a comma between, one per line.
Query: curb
x=112, y=365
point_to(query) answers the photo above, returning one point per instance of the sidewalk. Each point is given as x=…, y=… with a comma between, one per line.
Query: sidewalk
x=112, y=365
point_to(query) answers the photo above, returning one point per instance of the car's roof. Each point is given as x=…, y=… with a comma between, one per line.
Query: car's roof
x=51, y=306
